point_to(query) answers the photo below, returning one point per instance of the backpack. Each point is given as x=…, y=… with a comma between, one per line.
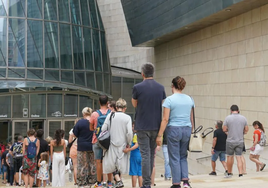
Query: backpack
x=17, y=149
x=31, y=150
x=100, y=121
x=263, y=139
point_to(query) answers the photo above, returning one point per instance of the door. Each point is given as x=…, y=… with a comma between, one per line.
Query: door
x=19, y=127
x=53, y=125
x=6, y=132
x=68, y=125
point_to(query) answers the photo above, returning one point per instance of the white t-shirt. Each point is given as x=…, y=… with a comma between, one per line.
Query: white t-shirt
x=71, y=133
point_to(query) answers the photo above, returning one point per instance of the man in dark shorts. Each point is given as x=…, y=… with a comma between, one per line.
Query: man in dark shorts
x=147, y=98
x=16, y=152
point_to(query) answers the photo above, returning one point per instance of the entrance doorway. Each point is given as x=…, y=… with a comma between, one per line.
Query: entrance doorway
x=6, y=132
x=19, y=128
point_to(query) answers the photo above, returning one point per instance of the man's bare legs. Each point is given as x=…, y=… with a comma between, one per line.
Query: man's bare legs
x=230, y=162
x=239, y=164
x=223, y=164
x=244, y=164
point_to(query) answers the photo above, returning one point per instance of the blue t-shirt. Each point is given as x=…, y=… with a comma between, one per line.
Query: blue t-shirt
x=84, y=135
x=149, y=95
x=180, y=106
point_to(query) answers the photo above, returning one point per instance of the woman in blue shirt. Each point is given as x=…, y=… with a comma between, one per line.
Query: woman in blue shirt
x=178, y=121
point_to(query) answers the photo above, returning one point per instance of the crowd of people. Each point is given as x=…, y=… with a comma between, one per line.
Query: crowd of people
x=132, y=145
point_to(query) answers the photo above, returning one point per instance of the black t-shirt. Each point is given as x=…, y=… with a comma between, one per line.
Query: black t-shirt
x=149, y=95
x=43, y=147
x=221, y=140
x=4, y=157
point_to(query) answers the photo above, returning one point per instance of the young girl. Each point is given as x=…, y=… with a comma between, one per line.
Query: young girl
x=43, y=168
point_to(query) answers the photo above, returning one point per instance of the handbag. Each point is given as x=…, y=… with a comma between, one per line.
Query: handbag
x=104, y=138
x=71, y=143
x=197, y=138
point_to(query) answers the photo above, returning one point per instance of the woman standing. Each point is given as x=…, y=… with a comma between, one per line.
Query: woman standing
x=178, y=117
x=73, y=150
x=86, y=168
x=29, y=161
x=119, y=125
x=58, y=151
x=256, y=149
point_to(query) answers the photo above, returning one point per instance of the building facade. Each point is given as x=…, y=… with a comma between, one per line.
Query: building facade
x=53, y=63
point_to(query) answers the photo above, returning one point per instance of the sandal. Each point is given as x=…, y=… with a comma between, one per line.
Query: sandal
x=263, y=166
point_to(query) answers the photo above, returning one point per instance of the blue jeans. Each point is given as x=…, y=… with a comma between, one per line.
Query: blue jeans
x=177, y=141
x=167, y=167
x=147, y=144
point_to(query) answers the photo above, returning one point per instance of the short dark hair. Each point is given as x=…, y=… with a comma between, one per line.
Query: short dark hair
x=20, y=138
x=103, y=99
x=39, y=133
x=234, y=107
x=148, y=70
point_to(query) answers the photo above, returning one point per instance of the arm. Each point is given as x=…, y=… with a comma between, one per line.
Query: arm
x=129, y=131
x=134, y=102
x=224, y=128
x=213, y=145
x=192, y=119
x=51, y=150
x=246, y=129
x=7, y=160
x=23, y=146
x=38, y=146
x=64, y=148
x=92, y=121
x=163, y=126
x=39, y=163
x=126, y=150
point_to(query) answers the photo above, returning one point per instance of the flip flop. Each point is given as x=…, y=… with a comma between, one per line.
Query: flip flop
x=263, y=167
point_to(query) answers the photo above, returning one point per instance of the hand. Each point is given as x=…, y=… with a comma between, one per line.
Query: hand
x=126, y=150
x=159, y=141
x=252, y=148
x=212, y=151
x=158, y=148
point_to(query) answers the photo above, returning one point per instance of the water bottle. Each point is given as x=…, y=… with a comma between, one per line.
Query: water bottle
x=70, y=176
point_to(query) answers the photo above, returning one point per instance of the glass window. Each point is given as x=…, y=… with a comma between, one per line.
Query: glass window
x=3, y=40
x=3, y=7
x=90, y=80
x=116, y=89
x=128, y=84
x=35, y=74
x=80, y=78
x=5, y=107
x=70, y=105
x=88, y=48
x=96, y=104
x=78, y=48
x=99, y=81
x=85, y=12
x=54, y=105
x=99, y=18
x=67, y=76
x=96, y=48
x=68, y=125
x=65, y=47
x=16, y=73
x=63, y=10
x=2, y=73
x=16, y=8
x=34, y=9
x=93, y=14
x=20, y=106
x=107, y=83
x=84, y=101
x=50, y=9
x=52, y=75
x=16, y=43
x=38, y=105
x=138, y=81
x=53, y=126
x=105, y=60
x=51, y=45
x=75, y=12
x=35, y=44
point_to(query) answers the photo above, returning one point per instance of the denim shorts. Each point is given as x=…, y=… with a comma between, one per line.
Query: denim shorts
x=98, y=152
x=218, y=154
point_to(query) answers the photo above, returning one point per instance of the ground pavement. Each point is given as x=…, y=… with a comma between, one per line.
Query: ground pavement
x=250, y=180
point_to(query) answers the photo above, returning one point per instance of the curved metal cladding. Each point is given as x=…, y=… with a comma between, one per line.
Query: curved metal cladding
x=54, y=43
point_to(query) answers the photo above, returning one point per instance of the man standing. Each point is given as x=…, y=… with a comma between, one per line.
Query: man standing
x=16, y=152
x=147, y=98
x=218, y=148
x=236, y=126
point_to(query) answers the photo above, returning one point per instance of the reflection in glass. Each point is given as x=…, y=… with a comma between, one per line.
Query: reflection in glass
x=99, y=81
x=105, y=61
x=20, y=106
x=16, y=8
x=78, y=48
x=38, y=105
x=96, y=48
x=67, y=76
x=93, y=14
x=2, y=73
x=16, y=43
x=63, y=10
x=116, y=89
x=54, y=105
x=84, y=101
x=75, y=12
x=52, y=75
x=35, y=74
x=88, y=48
x=16, y=73
x=3, y=8
x=107, y=83
x=68, y=125
x=50, y=9
x=65, y=47
x=80, y=78
x=90, y=80
x=3, y=41
x=53, y=126
x=99, y=18
x=84, y=12
x=128, y=84
x=20, y=128
x=35, y=44
x=51, y=45
x=34, y=9
x=5, y=106
x=70, y=105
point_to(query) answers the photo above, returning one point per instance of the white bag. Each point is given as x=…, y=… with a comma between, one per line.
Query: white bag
x=196, y=141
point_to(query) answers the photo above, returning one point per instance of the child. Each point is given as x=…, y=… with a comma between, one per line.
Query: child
x=10, y=163
x=135, y=160
x=43, y=168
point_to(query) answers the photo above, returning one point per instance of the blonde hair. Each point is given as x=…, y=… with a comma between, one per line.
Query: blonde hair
x=48, y=139
x=87, y=111
x=121, y=103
